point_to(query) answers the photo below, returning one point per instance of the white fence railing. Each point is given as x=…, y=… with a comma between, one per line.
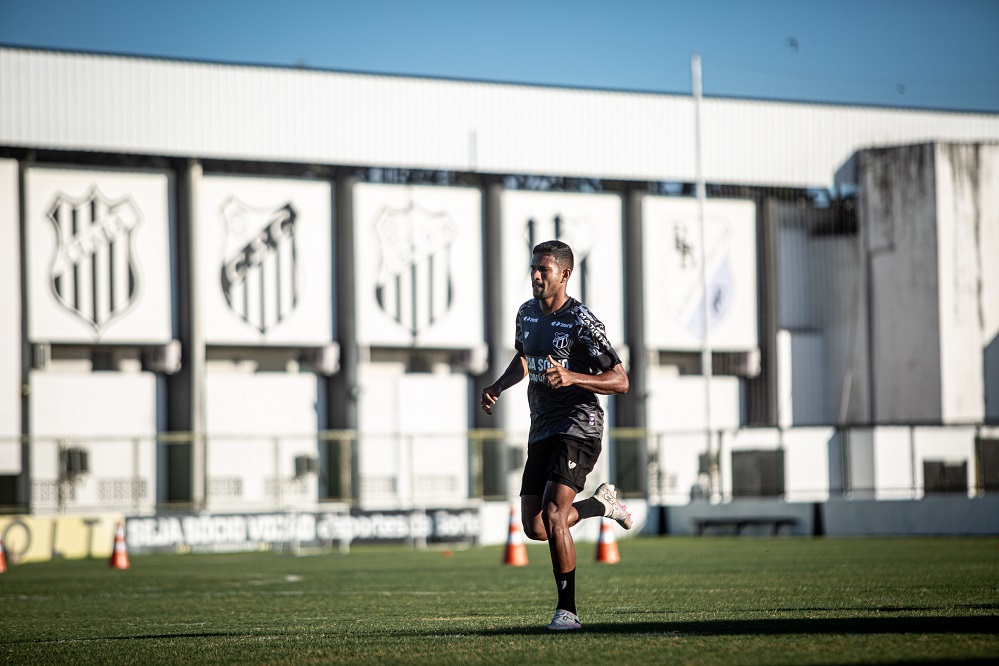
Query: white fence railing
x=142, y=475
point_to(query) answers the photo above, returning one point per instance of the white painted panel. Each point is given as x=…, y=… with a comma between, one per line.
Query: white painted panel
x=418, y=263
x=99, y=413
x=674, y=317
x=591, y=225
x=753, y=439
x=806, y=464
x=433, y=422
x=92, y=404
x=98, y=256
x=267, y=403
x=380, y=464
x=676, y=403
x=679, y=457
x=892, y=469
x=962, y=264
x=412, y=436
x=10, y=316
x=266, y=260
x=257, y=423
x=378, y=409
x=10, y=456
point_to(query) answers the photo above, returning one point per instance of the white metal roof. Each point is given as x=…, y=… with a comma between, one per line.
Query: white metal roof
x=77, y=101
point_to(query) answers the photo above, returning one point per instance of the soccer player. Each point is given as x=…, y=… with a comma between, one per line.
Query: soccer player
x=563, y=349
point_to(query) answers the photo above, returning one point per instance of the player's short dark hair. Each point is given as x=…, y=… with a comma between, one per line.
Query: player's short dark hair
x=560, y=252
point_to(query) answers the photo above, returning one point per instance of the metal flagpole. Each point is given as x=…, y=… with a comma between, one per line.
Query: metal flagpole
x=706, y=364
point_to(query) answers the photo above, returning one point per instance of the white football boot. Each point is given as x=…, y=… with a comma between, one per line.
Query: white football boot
x=614, y=510
x=564, y=620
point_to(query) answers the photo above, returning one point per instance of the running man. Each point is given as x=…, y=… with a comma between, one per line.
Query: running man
x=563, y=349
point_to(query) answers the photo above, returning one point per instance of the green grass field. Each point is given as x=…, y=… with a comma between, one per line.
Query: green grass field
x=670, y=600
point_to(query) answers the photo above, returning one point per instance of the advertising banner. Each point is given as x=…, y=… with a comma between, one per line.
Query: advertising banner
x=591, y=225
x=253, y=531
x=418, y=266
x=265, y=264
x=674, y=302
x=98, y=256
x=36, y=538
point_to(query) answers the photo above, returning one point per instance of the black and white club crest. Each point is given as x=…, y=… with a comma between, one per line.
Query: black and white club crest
x=686, y=297
x=414, y=284
x=94, y=273
x=260, y=273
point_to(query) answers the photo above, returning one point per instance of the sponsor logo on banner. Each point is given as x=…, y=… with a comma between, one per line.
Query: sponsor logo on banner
x=260, y=272
x=685, y=274
x=94, y=273
x=414, y=284
x=577, y=233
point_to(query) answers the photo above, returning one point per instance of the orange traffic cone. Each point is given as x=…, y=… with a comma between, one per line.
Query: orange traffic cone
x=119, y=558
x=516, y=551
x=3, y=558
x=607, y=545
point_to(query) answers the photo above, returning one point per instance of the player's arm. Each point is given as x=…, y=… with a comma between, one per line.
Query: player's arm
x=611, y=382
x=514, y=373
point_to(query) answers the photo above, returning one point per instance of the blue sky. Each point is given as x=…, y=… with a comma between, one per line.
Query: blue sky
x=940, y=54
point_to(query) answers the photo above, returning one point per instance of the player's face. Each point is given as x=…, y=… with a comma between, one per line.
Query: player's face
x=546, y=277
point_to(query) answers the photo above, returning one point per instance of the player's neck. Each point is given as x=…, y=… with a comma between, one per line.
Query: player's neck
x=553, y=304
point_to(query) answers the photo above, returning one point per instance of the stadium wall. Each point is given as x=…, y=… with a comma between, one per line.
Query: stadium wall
x=84, y=363
x=927, y=216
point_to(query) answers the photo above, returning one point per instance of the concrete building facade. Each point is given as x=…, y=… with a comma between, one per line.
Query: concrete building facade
x=240, y=289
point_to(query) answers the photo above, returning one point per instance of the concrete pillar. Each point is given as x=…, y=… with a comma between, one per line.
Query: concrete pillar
x=498, y=340
x=631, y=407
x=763, y=390
x=186, y=480
x=496, y=458
x=345, y=385
x=16, y=271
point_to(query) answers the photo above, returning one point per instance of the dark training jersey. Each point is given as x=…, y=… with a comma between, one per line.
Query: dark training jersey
x=575, y=338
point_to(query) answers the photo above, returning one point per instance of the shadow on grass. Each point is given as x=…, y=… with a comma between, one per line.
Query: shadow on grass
x=755, y=627
x=777, y=627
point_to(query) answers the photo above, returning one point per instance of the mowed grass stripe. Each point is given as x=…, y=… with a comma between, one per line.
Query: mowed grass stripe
x=683, y=600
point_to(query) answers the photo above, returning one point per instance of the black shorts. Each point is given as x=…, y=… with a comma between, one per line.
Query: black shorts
x=561, y=459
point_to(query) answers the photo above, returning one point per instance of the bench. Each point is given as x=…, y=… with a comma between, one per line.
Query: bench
x=735, y=525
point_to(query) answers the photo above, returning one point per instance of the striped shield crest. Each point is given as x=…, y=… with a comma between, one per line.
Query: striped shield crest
x=259, y=274
x=414, y=280
x=94, y=274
